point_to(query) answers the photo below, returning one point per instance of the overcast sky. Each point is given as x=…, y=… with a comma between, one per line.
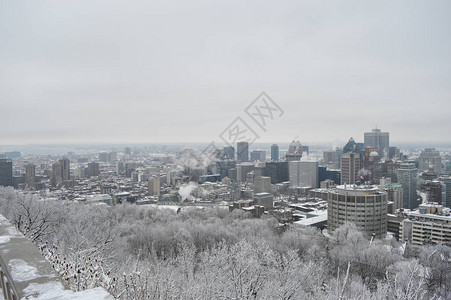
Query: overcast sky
x=182, y=71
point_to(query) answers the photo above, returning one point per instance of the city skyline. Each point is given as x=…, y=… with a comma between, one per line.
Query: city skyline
x=108, y=72
x=225, y=149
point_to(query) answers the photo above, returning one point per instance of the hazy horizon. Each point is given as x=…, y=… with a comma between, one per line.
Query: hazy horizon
x=82, y=149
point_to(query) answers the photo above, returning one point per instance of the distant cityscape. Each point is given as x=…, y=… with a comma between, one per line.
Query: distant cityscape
x=383, y=189
x=225, y=150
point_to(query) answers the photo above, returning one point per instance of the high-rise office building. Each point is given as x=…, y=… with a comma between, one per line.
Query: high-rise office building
x=365, y=206
x=277, y=170
x=294, y=152
x=232, y=174
x=446, y=190
x=57, y=175
x=258, y=155
x=326, y=174
x=433, y=190
x=112, y=156
x=370, y=159
x=393, y=153
x=93, y=169
x=350, y=168
x=223, y=166
x=259, y=169
x=120, y=168
x=6, y=172
x=30, y=176
x=338, y=153
x=303, y=174
x=351, y=146
x=107, y=156
x=242, y=151
x=378, y=139
x=430, y=158
x=60, y=171
x=334, y=175
x=369, y=155
x=329, y=157
x=65, y=165
x=429, y=175
x=262, y=184
x=407, y=178
x=228, y=153
x=394, y=195
x=274, y=152
x=387, y=169
x=153, y=186
x=242, y=170
x=129, y=168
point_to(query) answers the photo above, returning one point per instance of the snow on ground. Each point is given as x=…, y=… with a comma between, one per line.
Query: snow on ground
x=171, y=207
x=3, y=220
x=21, y=271
x=56, y=291
x=4, y=239
x=13, y=231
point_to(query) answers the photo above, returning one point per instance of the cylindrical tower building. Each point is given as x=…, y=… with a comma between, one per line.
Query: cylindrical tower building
x=365, y=206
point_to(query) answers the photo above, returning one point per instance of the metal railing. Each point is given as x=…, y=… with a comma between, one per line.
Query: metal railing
x=7, y=283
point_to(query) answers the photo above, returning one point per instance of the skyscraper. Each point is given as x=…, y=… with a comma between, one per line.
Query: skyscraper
x=153, y=186
x=258, y=155
x=394, y=194
x=303, y=174
x=294, y=152
x=338, y=153
x=223, y=166
x=446, y=190
x=393, y=153
x=329, y=157
x=277, y=170
x=112, y=156
x=228, y=153
x=433, y=190
x=430, y=158
x=371, y=157
x=262, y=184
x=407, y=178
x=65, y=164
x=120, y=168
x=350, y=168
x=379, y=139
x=274, y=152
x=60, y=171
x=242, y=151
x=93, y=169
x=350, y=146
x=6, y=172
x=242, y=170
x=30, y=176
x=387, y=169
